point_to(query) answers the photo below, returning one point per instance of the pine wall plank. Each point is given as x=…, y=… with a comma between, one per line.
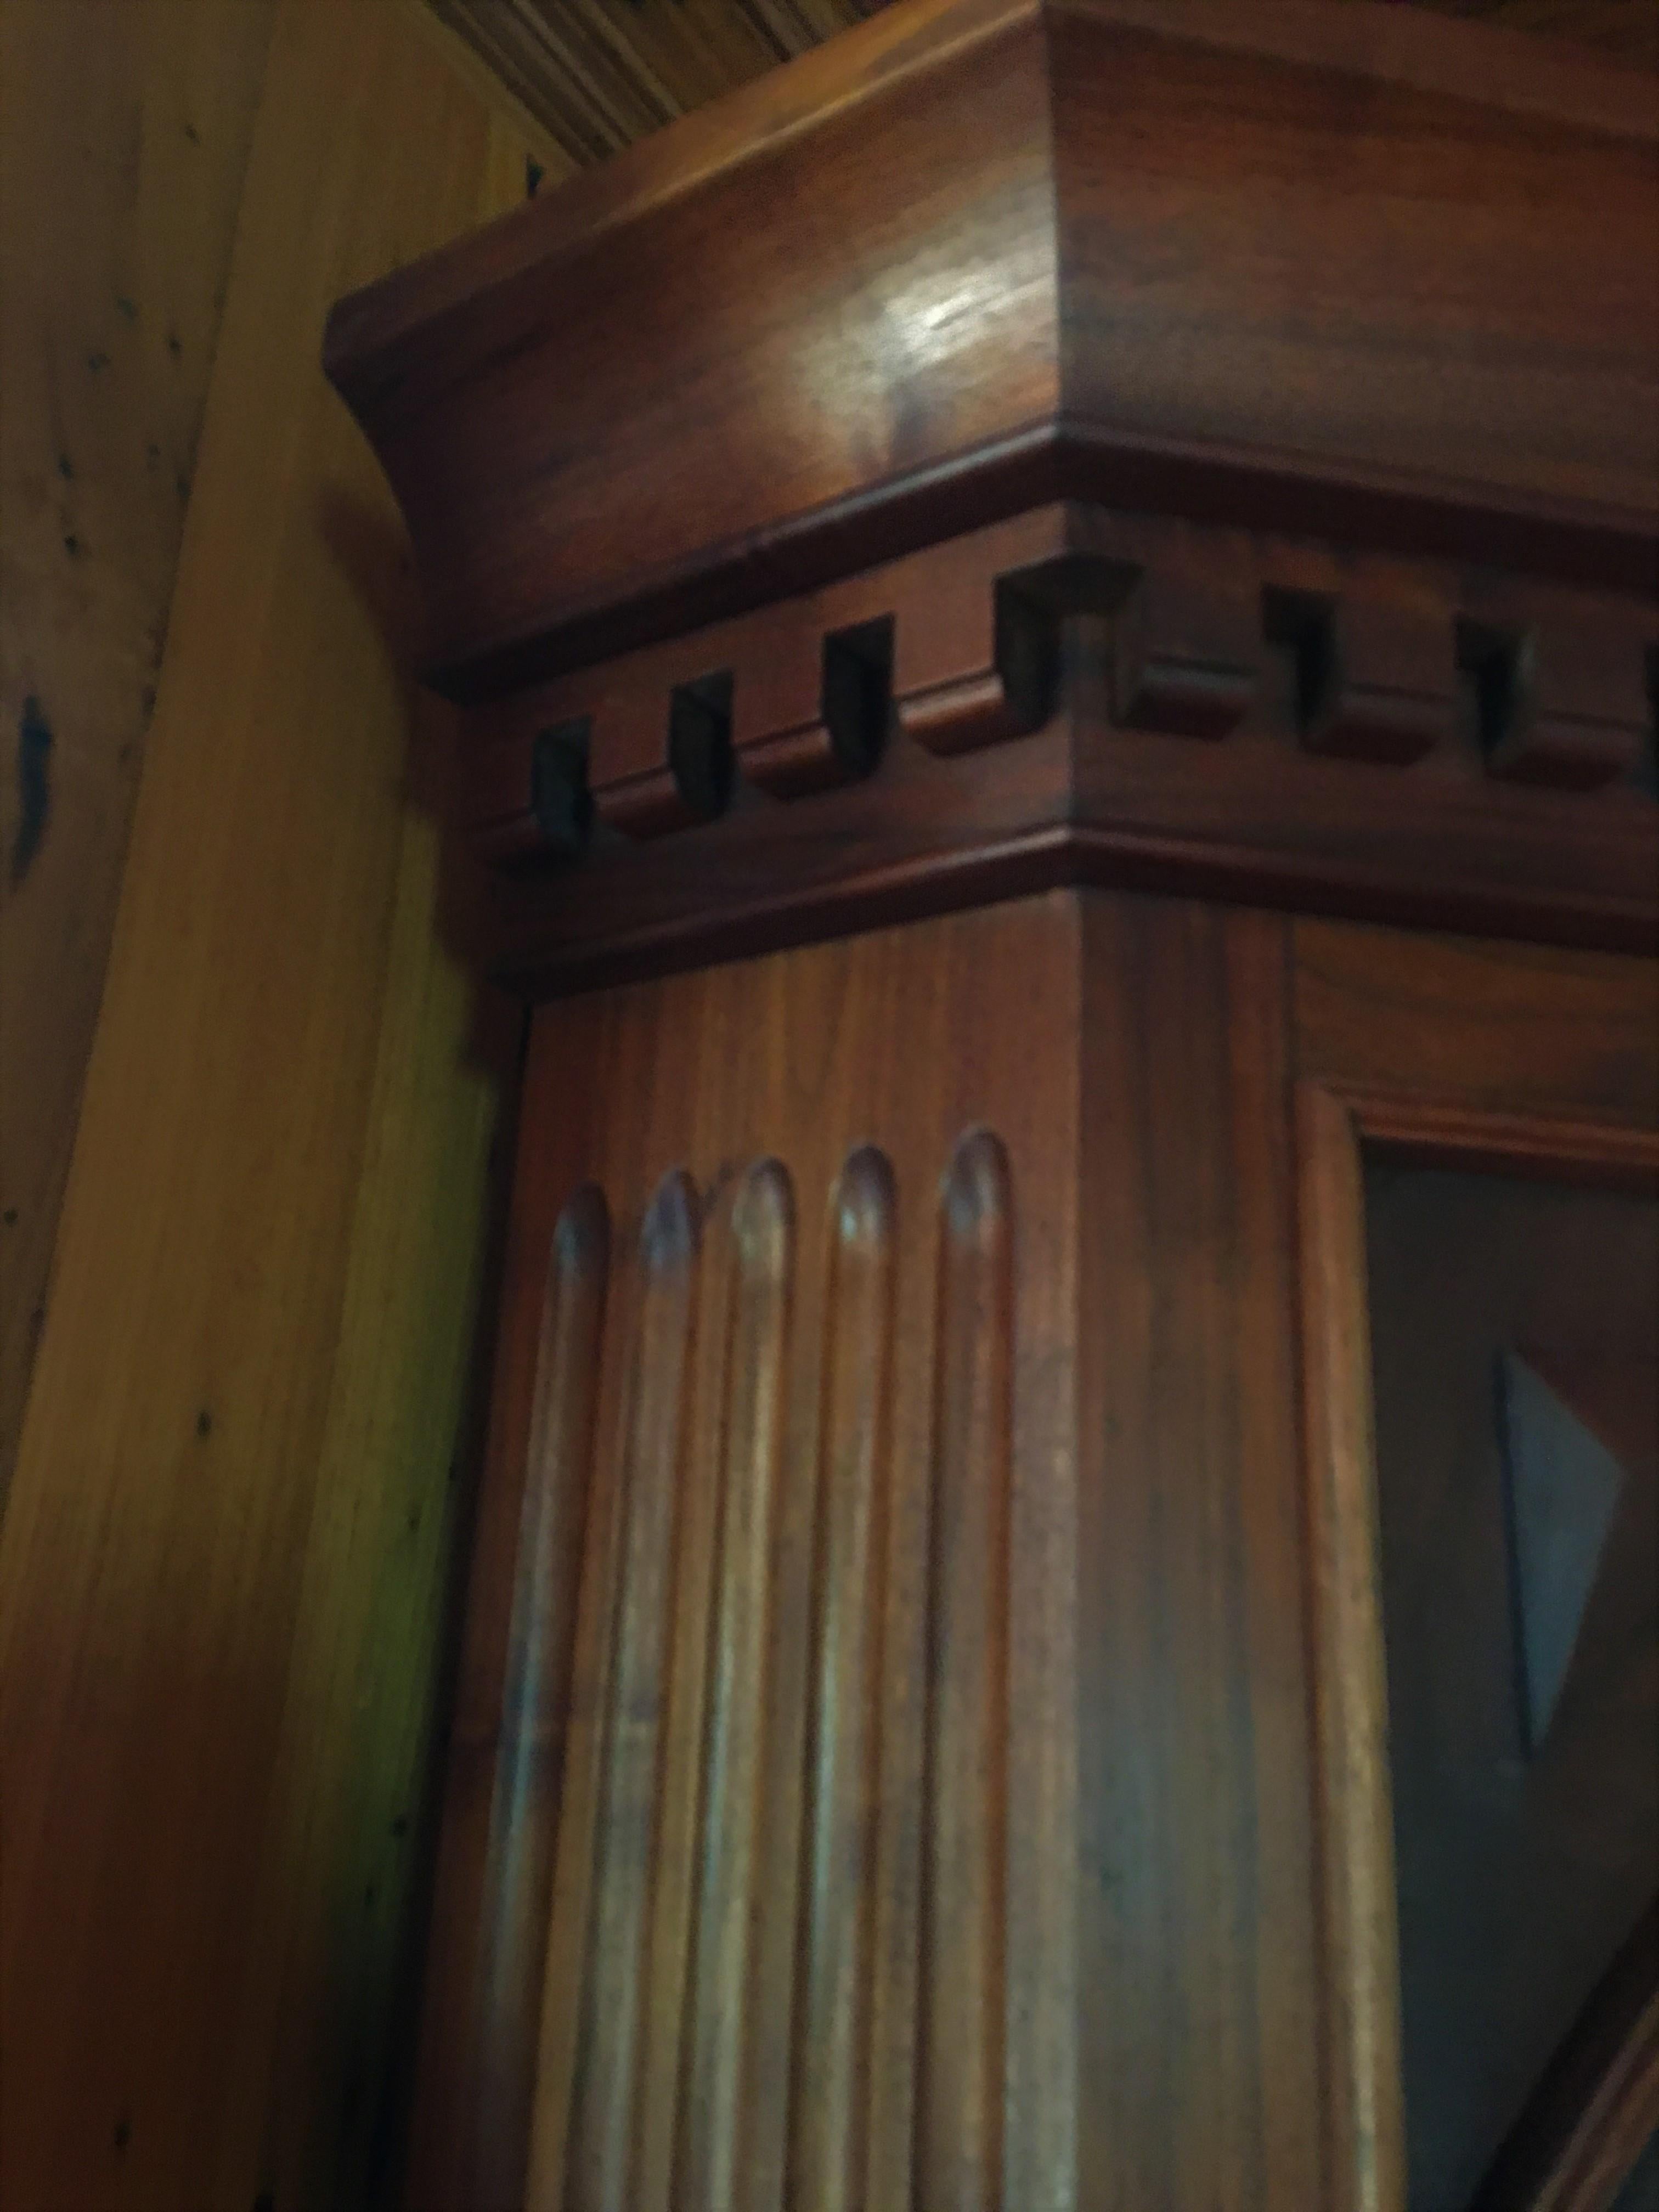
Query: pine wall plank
x=226, y=1555
x=124, y=128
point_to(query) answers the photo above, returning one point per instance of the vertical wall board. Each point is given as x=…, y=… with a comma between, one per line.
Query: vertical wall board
x=222, y=1565
x=124, y=128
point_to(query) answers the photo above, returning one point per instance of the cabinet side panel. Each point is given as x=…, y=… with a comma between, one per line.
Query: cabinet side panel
x=977, y=1825
x=1196, y=1905
x=816, y=1828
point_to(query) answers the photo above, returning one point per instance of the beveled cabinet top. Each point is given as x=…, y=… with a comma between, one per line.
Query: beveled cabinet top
x=853, y=501
x=1354, y=269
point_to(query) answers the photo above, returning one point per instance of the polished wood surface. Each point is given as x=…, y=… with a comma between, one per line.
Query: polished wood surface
x=830, y=2082
x=1204, y=2025
x=909, y=1355
x=224, y=1561
x=1235, y=714
x=1422, y=1031
x=1349, y=602
x=1515, y=1060
x=1019, y=459
x=798, y=405
x=744, y=1850
x=995, y=334
x=1122, y=1732
x=1361, y=1958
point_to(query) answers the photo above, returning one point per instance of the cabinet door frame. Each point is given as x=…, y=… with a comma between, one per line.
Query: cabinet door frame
x=1508, y=1060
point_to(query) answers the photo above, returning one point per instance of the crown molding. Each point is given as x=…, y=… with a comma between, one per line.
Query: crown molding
x=1112, y=299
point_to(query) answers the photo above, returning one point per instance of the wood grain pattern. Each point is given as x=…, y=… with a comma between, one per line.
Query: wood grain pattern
x=455, y=2077
x=835, y=736
x=223, y=1558
x=1159, y=371
x=1200, y=1995
x=1329, y=675
x=1155, y=1656
x=529, y=1774
x=1367, y=2115
x=610, y=1994
x=963, y=1900
x=813, y=409
x=692, y=1935
x=1140, y=425
x=1512, y=1056
x=122, y=159
x=601, y=74
x=1516, y=1032
x=1031, y=1736
x=832, y=2088
x=781, y=1977
x=1318, y=379
x=1563, y=710
x=715, y=2133
x=1010, y=327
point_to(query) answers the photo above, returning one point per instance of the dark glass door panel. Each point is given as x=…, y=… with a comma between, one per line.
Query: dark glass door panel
x=1516, y=1348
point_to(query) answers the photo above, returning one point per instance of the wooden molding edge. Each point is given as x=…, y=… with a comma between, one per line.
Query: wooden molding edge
x=1366, y=2116
x=1077, y=695
x=1591, y=2117
x=1597, y=2106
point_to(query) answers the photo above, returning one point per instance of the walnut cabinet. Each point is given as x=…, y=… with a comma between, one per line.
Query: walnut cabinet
x=1055, y=616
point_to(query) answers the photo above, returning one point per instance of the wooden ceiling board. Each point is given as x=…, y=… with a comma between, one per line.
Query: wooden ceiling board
x=599, y=74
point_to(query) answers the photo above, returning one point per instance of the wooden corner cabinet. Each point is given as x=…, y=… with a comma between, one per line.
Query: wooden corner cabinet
x=1056, y=617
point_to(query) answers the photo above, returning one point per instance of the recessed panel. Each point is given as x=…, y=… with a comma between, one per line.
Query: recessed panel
x=1515, y=1340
